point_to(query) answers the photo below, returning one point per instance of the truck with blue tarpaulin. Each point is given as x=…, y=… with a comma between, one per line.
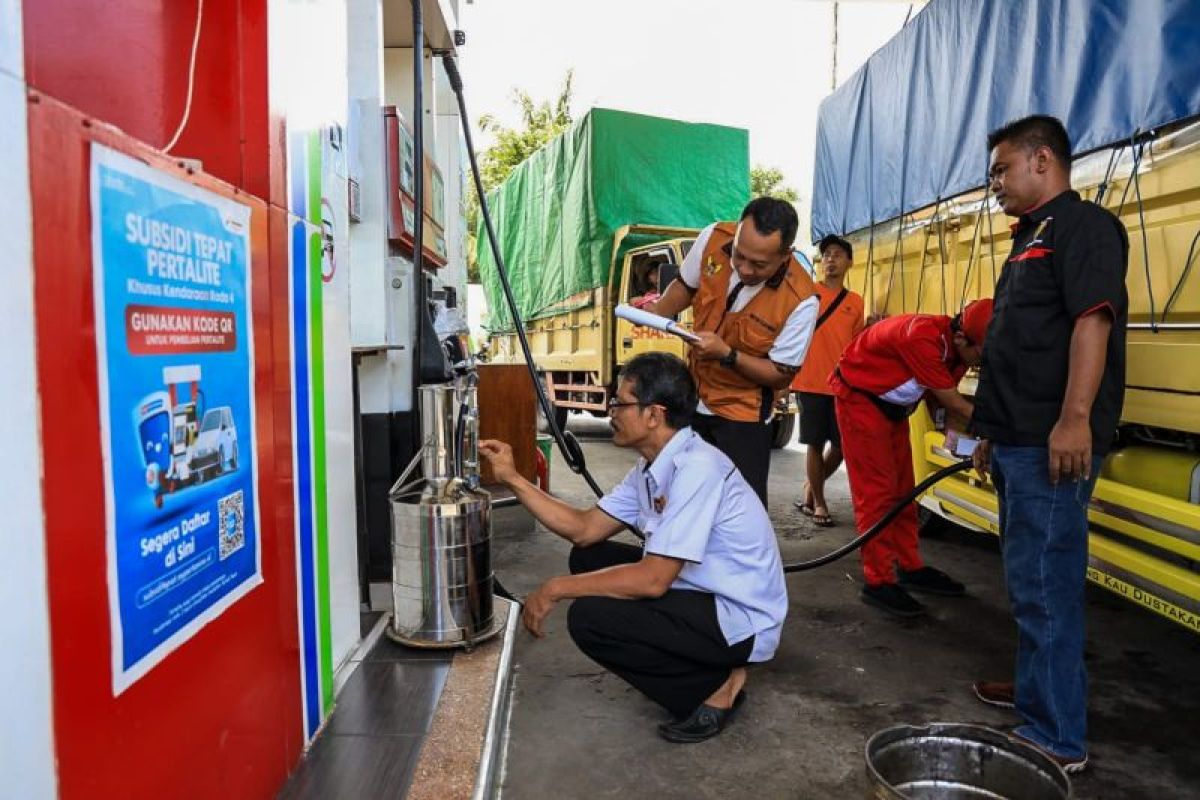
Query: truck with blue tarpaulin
x=901, y=165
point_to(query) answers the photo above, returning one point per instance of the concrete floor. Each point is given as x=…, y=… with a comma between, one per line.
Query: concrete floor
x=842, y=672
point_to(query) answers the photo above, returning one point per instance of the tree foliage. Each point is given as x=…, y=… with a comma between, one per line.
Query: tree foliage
x=768, y=182
x=539, y=124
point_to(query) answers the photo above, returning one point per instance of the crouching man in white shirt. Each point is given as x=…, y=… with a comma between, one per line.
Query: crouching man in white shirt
x=680, y=618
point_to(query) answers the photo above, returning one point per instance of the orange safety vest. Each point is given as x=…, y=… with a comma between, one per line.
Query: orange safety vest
x=751, y=331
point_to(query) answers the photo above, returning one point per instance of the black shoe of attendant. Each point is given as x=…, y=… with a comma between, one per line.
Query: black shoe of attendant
x=931, y=581
x=892, y=599
x=703, y=723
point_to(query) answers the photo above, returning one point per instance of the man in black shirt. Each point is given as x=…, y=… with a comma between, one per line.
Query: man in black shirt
x=1049, y=399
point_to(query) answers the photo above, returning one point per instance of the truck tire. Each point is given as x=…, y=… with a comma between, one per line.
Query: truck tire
x=782, y=429
x=560, y=416
x=931, y=523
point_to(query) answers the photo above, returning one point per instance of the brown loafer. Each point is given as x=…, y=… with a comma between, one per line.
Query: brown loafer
x=995, y=693
x=1069, y=765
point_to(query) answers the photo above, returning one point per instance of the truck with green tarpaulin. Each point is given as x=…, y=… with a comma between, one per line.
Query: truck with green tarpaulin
x=582, y=225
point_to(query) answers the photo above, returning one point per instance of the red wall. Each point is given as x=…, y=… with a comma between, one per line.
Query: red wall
x=126, y=62
x=220, y=716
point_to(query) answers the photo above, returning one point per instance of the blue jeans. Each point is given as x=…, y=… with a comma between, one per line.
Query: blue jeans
x=1043, y=536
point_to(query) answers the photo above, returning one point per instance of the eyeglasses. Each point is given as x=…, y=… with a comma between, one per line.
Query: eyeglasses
x=614, y=404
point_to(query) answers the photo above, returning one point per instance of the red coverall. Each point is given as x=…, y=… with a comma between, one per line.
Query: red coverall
x=896, y=359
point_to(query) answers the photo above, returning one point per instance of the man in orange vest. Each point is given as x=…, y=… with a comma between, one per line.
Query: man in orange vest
x=878, y=382
x=754, y=308
x=840, y=320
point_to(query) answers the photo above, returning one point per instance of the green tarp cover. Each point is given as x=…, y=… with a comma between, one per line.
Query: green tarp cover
x=556, y=214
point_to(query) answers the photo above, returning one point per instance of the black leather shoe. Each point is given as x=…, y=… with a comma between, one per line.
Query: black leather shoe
x=703, y=723
x=892, y=599
x=931, y=581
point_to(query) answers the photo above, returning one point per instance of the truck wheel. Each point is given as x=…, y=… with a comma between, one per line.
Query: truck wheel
x=930, y=522
x=560, y=416
x=782, y=429
x=923, y=515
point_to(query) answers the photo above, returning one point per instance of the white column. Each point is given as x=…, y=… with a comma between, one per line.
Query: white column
x=27, y=756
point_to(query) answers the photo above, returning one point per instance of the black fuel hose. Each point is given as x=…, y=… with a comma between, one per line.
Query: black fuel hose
x=877, y=528
x=567, y=443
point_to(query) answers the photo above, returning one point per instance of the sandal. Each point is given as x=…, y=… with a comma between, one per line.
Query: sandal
x=805, y=508
x=822, y=520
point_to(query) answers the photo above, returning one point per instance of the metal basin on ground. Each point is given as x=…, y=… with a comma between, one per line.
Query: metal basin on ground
x=946, y=761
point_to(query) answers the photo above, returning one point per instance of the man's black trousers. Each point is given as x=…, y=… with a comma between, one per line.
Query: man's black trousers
x=748, y=445
x=669, y=648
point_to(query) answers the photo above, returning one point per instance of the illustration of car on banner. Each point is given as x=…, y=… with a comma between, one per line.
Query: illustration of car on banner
x=215, y=450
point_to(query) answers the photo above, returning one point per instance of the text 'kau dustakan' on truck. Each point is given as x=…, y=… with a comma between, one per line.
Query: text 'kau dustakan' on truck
x=603, y=215
x=901, y=169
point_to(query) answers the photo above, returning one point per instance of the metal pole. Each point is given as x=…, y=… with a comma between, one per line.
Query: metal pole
x=420, y=309
x=833, y=72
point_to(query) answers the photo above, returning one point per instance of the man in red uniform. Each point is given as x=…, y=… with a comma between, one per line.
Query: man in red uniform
x=884, y=373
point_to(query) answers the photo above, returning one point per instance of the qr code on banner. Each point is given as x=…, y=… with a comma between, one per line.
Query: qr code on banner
x=231, y=512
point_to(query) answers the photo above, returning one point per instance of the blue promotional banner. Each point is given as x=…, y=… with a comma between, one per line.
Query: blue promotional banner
x=171, y=264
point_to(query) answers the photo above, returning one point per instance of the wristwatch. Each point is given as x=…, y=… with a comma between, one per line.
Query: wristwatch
x=730, y=358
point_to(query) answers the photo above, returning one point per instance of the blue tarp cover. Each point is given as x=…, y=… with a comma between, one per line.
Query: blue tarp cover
x=910, y=127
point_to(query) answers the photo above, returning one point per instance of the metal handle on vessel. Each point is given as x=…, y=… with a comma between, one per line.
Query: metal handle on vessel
x=408, y=470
